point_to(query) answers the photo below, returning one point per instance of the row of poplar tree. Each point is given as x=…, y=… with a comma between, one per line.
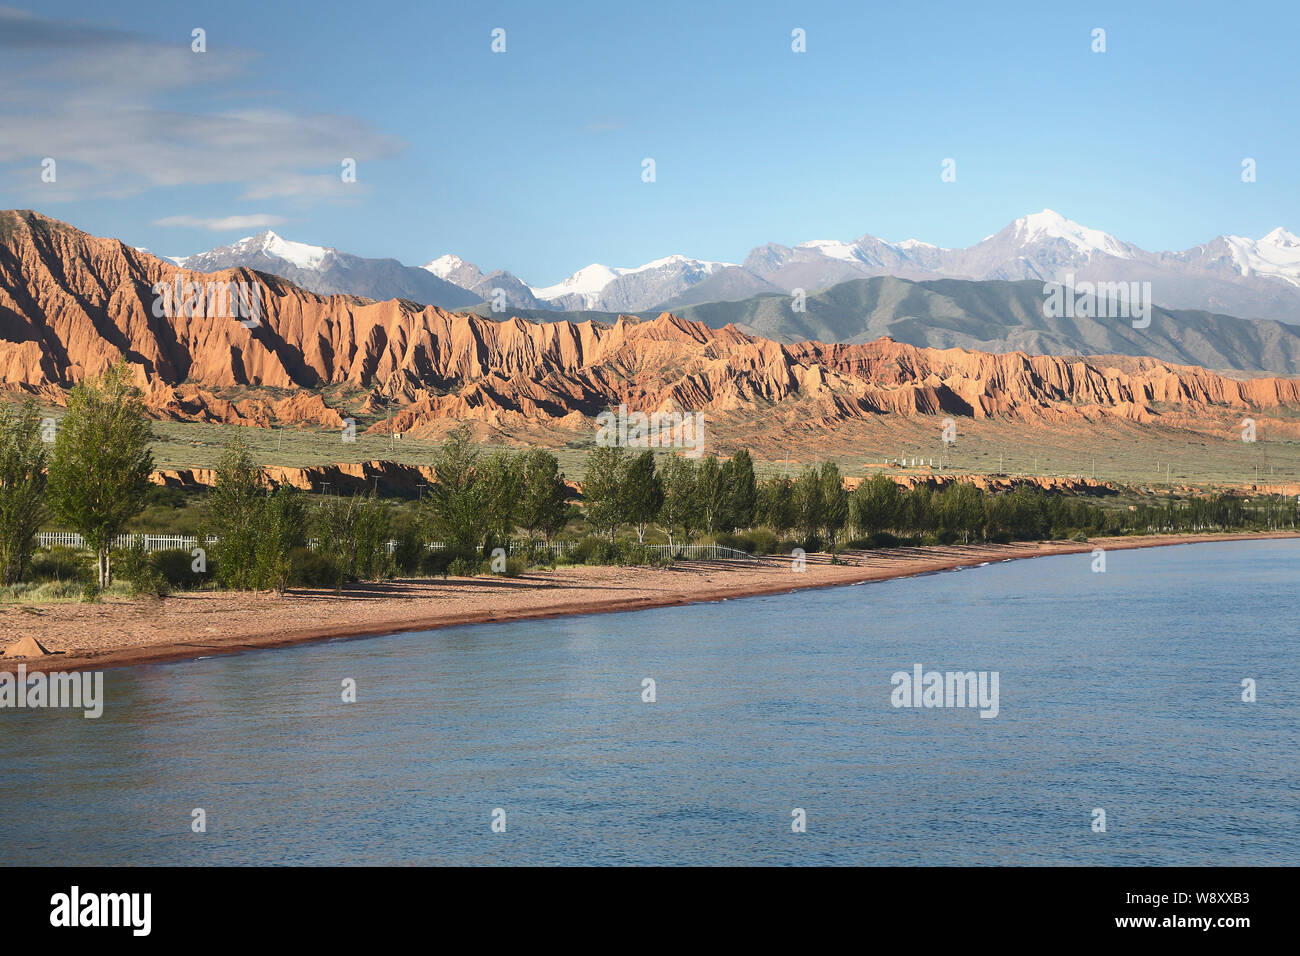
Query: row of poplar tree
x=94, y=477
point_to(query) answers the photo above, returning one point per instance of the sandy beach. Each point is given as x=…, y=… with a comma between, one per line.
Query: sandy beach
x=118, y=633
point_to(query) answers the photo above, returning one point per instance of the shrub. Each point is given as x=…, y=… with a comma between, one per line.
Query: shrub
x=149, y=583
x=741, y=542
x=61, y=563
x=176, y=567
x=463, y=567
x=355, y=532
x=765, y=541
x=28, y=592
x=634, y=553
x=281, y=522
x=313, y=569
x=23, y=461
x=592, y=550
x=408, y=553
x=436, y=563
x=131, y=562
x=515, y=566
x=135, y=566
x=877, y=539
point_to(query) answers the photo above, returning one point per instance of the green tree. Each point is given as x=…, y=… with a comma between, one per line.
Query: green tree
x=835, y=501
x=742, y=490
x=642, y=492
x=234, y=516
x=99, y=473
x=961, y=510
x=544, y=497
x=874, y=504
x=917, y=512
x=776, y=505
x=454, y=508
x=501, y=478
x=354, y=533
x=808, y=505
x=281, y=527
x=679, y=513
x=711, y=491
x=372, y=529
x=23, y=460
x=602, y=489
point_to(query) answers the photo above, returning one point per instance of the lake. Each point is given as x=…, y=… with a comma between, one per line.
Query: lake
x=1119, y=691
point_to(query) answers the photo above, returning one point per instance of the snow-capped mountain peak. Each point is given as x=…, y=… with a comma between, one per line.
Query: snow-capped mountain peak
x=1259, y=277
x=1049, y=224
x=587, y=281
x=832, y=249
x=454, y=269
x=1277, y=254
x=268, y=244
x=273, y=246
x=596, y=284
x=1281, y=237
x=444, y=266
x=687, y=262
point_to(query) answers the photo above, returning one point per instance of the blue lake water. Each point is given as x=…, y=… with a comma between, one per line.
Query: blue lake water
x=1119, y=691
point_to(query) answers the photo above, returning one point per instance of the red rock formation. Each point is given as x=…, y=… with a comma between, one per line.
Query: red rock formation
x=71, y=304
x=389, y=476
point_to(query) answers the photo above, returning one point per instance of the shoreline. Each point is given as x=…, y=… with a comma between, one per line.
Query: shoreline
x=191, y=625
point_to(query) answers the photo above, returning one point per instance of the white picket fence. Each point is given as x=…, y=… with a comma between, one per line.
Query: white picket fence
x=186, y=542
x=152, y=542
x=555, y=548
x=702, y=552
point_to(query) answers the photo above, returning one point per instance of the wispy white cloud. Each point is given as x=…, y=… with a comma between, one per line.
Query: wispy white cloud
x=222, y=223
x=99, y=102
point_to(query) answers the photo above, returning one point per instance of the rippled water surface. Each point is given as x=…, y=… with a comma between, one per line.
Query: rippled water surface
x=1119, y=691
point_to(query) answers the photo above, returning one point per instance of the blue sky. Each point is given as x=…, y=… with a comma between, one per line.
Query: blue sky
x=531, y=160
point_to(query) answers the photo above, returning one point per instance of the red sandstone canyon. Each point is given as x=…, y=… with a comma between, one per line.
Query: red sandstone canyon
x=71, y=304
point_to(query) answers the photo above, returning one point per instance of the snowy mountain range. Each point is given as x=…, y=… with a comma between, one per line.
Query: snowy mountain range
x=1231, y=274
x=328, y=271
